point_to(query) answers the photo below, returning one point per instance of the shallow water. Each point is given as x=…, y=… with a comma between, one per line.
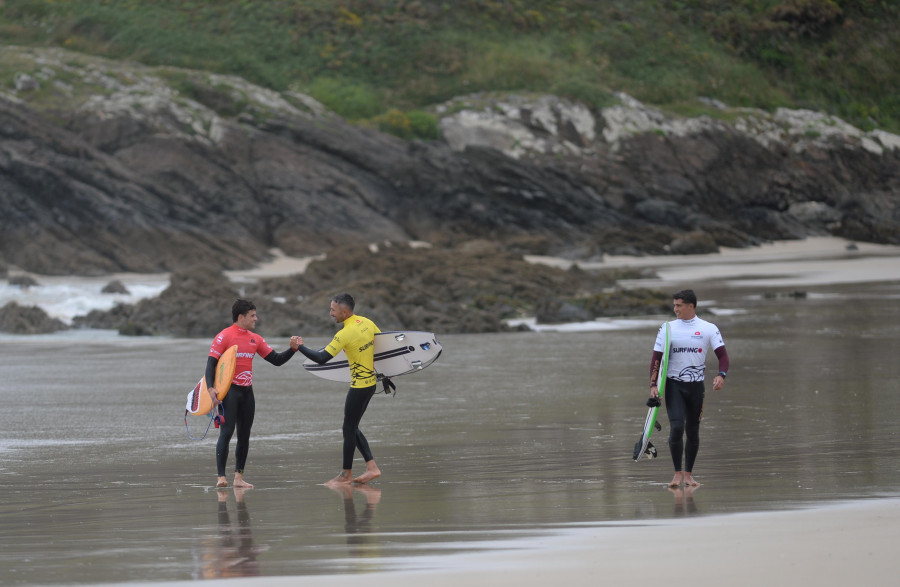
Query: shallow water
x=505, y=436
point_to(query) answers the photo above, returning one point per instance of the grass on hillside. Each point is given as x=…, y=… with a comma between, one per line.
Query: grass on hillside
x=384, y=61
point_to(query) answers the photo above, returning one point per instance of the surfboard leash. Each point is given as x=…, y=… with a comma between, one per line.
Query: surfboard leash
x=214, y=418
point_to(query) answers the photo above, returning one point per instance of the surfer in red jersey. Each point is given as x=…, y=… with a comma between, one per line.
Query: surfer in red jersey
x=239, y=404
x=690, y=342
x=357, y=339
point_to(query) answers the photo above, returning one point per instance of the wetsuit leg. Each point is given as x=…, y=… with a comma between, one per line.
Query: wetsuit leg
x=693, y=415
x=675, y=409
x=226, y=430
x=245, y=417
x=240, y=407
x=684, y=405
x=354, y=407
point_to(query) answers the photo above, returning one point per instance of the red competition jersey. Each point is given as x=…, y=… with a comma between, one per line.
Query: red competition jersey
x=248, y=343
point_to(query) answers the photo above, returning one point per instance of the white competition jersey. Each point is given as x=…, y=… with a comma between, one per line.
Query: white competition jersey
x=689, y=343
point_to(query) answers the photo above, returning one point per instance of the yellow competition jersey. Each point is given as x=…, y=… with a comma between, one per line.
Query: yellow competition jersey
x=357, y=339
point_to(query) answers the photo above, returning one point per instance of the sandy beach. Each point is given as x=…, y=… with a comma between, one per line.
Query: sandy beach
x=810, y=497
x=838, y=544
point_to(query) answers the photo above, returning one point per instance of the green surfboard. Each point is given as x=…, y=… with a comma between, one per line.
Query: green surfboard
x=643, y=446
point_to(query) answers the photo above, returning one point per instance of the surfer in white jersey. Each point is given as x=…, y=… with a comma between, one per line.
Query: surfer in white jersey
x=690, y=340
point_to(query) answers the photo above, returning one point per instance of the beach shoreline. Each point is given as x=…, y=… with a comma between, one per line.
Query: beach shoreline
x=836, y=543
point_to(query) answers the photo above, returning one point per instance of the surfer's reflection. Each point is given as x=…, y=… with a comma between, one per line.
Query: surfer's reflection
x=684, y=500
x=357, y=527
x=232, y=553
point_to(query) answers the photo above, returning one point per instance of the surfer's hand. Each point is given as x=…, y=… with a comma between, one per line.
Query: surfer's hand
x=654, y=391
x=296, y=341
x=718, y=382
x=214, y=395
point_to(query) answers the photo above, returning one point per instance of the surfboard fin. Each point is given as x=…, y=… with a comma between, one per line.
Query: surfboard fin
x=650, y=451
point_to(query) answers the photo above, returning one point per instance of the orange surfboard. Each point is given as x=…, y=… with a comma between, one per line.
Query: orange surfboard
x=198, y=401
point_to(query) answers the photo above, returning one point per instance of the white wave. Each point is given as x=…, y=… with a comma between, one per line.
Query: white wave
x=67, y=297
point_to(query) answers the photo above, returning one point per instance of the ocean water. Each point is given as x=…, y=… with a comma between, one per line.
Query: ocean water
x=506, y=436
x=66, y=297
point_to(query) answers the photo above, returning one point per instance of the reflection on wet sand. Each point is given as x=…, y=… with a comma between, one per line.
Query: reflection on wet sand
x=684, y=500
x=358, y=527
x=232, y=552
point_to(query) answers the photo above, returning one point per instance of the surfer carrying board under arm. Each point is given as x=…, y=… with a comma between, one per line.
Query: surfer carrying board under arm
x=690, y=341
x=239, y=403
x=357, y=339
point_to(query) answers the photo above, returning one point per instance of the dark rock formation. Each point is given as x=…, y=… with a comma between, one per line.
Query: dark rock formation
x=471, y=289
x=110, y=186
x=18, y=319
x=23, y=281
x=114, y=287
x=132, y=176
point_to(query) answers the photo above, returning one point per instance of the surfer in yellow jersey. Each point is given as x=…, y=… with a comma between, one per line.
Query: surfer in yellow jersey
x=357, y=339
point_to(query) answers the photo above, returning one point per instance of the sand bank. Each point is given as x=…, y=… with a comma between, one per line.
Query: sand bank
x=812, y=261
x=843, y=544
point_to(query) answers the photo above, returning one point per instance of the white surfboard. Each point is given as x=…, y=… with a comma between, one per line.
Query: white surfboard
x=396, y=353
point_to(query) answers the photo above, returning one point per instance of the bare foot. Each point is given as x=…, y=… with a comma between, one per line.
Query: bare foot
x=677, y=479
x=690, y=481
x=221, y=482
x=239, y=481
x=367, y=476
x=343, y=478
x=372, y=472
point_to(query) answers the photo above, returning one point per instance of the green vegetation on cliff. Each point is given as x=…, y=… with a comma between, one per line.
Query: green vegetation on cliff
x=386, y=60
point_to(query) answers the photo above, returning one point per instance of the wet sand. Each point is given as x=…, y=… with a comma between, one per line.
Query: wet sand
x=842, y=544
x=798, y=460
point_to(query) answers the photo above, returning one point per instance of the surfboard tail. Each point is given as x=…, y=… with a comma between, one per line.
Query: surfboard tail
x=650, y=451
x=198, y=401
x=193, y=399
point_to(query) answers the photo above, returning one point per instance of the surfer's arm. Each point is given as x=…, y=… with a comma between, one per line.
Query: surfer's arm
x=211, y=363
x=655, y=362
x=279, y=359
x=321, y=356
x=724, y=363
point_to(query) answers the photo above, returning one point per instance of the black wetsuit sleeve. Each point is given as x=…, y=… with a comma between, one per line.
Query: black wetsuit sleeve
x=655, y=365
x=321, y=356
x=279, y=359
x=724, y=362
x=211, y=363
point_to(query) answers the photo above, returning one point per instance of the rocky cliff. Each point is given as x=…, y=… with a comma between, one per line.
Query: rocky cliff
x=108, y=166
x=105, y=167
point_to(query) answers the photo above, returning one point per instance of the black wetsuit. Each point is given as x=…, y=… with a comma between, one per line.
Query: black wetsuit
x=357, y=340
x=240, y=408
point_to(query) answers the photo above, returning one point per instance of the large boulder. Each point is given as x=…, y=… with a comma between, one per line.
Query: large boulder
x=17, y=319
